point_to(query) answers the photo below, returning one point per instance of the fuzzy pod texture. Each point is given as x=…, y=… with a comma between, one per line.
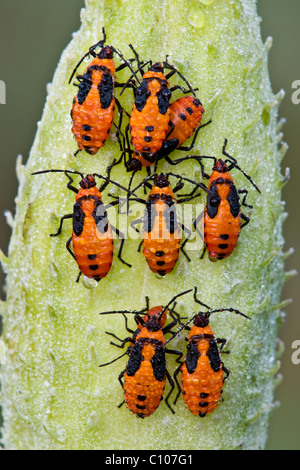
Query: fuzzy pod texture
x=53, y=394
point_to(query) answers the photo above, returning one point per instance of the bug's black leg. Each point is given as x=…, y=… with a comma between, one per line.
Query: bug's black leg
x=122, y=385
x=64, y=217
x=227, y=372
x=178, y=87
x=199, y=301
x=189, y=198
x=69, y=249
x=222, y=341
x=243, y=203
x=177, y=383
x=135, y=222
x=191, y=146
x=170, y=391
x=246, y=219
x=187, y=237
x=121, y=236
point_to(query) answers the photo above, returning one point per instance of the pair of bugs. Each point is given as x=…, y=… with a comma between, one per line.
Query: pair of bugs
x=202, y=371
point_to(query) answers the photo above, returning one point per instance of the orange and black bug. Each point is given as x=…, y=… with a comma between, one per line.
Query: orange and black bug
x=94, y=105
x=202, y=372
x=161, y=227
x=150, y=116
x=185, y=118
x=92, y=237
x=222, y=215
x=146, y=371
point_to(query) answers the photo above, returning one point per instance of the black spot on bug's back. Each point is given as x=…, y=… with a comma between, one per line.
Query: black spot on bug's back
x=160, y=263
x=84, y=87
x=140, y=407
x=224, y=236
x=189, y=110
x=135, y=359
x=78, y=218
x=163, y=96
x=204, y=395
x=170, y=215
x=159, y=253
x=86, y=127
x=93, y=267
x=182, y=116
x=86, y=138
x=141, y=95
x=149, y=128
x=214, y=355
x=106, y=90
x=100, y=216
x=147, y=138
x=223, y=246
x=158, y=362
x=93, y=256
x=192, y=356
x=234, y=202
x=141, y=397
x=149, y=216
x=213, y=201
x=203, y=404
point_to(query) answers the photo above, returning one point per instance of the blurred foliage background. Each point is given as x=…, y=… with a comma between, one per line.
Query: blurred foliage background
x=32, y=37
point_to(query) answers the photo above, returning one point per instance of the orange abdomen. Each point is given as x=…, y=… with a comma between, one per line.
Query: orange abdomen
x=161, y=245
x=149, y=119
x=144, y=139
x=143, y=393
x=162, y=254
x=202, y=389
x=145, y=376
x=221, y=232
x=93, y=250
x=93, y=106
x=186, y=114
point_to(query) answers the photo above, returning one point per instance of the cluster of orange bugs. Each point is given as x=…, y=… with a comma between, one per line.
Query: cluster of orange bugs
x=156, y=127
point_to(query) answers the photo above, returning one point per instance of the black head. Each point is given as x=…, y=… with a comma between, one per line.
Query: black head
x=106, y=53
x=88, y=182
x=157, y=67
x=133, y=164
x=201, y=320
x=220, y=166
x=161, y=181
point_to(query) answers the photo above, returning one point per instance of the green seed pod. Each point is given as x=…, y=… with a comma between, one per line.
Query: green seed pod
x=54, y=395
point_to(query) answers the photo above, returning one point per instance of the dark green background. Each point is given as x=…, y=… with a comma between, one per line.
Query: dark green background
x=33, y=34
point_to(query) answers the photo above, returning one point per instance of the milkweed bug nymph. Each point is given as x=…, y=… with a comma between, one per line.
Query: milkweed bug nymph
x=146, y=371
x=92, y=237
x=94, y=105
x=223, y=218
x=203, y=373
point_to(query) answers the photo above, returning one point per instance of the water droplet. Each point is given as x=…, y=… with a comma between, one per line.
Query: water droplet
x=195, y=17
x=89, y=283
